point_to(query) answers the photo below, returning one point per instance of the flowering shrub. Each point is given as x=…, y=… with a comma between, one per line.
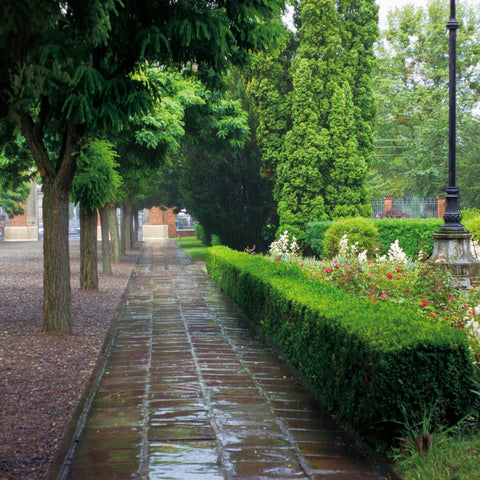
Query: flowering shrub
x=427, y=287
x=284, y=248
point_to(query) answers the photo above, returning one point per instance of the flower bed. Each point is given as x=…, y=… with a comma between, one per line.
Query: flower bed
x=372, y=361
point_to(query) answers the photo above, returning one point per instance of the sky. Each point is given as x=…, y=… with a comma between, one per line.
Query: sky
x=387, y=5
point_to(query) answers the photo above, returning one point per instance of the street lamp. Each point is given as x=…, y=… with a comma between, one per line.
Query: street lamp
x=452, y=241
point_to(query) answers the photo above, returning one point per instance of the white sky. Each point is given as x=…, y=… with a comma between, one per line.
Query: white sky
x=387, y=5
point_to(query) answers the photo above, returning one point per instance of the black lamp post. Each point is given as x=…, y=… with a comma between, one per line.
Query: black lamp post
x=452, y=216
x=452, y=242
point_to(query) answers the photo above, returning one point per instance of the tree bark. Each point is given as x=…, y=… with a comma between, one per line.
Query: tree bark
x=128, y=225
x=136, y=226
x=113, y=225
x=88, y=250
x=106, y=248
x=57, y=177
x=56, y=273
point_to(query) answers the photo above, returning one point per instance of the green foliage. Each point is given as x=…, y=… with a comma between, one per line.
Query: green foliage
x=315, y=235
x=469, y=213
x=218, y=171
x=413, y=234
x=371, y=362
x=97, y=181
x=215, y=241
x=473, y=226
x=358, y=229
x=320, y=152
x=201, y=234
x=411, y=91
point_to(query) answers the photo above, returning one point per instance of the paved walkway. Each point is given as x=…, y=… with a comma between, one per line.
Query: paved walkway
x=189, y=392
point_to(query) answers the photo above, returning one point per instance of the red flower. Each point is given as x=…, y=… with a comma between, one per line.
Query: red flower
x=277, y=259
x=451, y=299
x=374, y=300
x=389, y=275
x=424, y=303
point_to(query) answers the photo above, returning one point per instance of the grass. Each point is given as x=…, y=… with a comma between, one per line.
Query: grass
x=453, y=455
x=194, y=247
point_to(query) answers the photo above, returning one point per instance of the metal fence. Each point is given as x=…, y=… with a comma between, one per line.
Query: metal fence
x=418, y=208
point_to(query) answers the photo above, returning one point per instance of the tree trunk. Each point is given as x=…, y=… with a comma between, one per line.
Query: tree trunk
x=127, y=225
x=136, y=227
x=88, y=250
x=106, y=250
x=57, y=177
x=56, y=260
x=113, y=226
x=123, y=245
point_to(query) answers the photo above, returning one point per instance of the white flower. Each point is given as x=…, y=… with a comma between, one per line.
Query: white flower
x=396, y=254
x=283, y=247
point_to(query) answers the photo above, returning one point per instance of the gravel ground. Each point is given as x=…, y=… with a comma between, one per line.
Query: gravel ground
x=42, y=376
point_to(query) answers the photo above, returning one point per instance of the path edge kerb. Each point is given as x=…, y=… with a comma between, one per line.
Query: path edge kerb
x=60, y=467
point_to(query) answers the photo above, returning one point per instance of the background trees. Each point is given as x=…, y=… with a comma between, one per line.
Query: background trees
x=66, y=69
x=411, y=89
x=316, y=129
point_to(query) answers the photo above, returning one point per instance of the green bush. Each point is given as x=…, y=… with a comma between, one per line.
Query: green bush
x=469, y=213
x=215, y=242
x=371, y=362
x=413, y=234
x=358, y=229
x=473, y=226
x=314, y=236
x=201, y=234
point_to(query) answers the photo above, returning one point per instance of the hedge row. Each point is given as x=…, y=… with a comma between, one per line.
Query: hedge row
x=367, y=360
x=414, y=234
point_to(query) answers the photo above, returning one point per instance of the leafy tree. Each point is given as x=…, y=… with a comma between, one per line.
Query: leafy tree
x=66, y=69
x=411, y=88
x=316, y=112
x=16, y=170
x=95, y=185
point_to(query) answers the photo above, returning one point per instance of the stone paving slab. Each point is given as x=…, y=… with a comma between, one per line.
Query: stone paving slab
x=189, y=392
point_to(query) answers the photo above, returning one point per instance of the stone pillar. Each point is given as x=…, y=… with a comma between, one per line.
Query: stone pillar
x=388, y=199
x=440, y=207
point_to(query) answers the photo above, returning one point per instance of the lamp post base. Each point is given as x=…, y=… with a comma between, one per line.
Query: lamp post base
x=454, y=250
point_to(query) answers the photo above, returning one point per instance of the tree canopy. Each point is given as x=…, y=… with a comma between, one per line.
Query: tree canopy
x=67, y=69
x=411, y=90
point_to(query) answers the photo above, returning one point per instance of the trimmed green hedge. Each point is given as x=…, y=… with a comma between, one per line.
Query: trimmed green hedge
x=413, y=234
x=367, y=360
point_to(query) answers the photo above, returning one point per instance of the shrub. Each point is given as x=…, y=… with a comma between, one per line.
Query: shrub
x=371, y=361
x=215, y=242
x=315, y=235
x=473, y=226
x=201, y=234
x=413, y=234
x=361, y=232
x=392, y=213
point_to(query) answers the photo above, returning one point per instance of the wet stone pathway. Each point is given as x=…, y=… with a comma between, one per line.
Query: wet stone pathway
x=189, y=392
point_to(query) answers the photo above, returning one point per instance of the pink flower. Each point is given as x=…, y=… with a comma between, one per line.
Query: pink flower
x=424, y=303
x=277, y=259
x=451, y=299
x=389, y=275
x=337, y=265
x=383, y=295
x=373, y=300
x=302, y=264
